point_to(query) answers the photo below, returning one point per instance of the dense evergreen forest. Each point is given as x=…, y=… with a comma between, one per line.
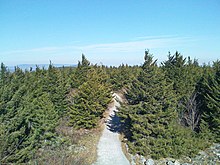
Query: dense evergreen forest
x=172, y=108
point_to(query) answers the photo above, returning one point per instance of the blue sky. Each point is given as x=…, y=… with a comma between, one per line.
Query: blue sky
x=107, y=31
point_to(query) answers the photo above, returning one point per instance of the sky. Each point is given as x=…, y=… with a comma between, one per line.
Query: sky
x=109, y=32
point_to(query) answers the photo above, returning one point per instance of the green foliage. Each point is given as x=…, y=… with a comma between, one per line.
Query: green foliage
x=172, y=110
x=184, y=73
x=151, y=117
x=3, y=74
x=152, y=108
x=90, y=101
x=177, y=142
x=29, y=113
x=121, y=77
x=80, y=74
x=210, y=95
x=32, y=103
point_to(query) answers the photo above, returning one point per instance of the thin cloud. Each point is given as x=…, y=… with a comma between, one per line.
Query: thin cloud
x=134, y=46
x=42, y=49
x=146, y=42
x=154, y=37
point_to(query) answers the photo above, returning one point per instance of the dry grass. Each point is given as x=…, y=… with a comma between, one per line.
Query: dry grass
x=90, y=141
x=79, y=147
x=123, y=146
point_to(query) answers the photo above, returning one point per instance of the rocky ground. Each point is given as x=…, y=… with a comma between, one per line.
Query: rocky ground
x=209, y=157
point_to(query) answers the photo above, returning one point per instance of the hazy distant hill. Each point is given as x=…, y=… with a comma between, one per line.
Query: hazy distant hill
x=33, y=66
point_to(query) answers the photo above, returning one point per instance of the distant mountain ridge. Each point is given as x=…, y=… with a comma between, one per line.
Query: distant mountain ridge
x=33, y=66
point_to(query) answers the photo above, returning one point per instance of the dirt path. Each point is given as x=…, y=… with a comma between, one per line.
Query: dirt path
x=109, y=146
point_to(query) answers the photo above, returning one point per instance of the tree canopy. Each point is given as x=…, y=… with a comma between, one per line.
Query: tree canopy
x=172, y=109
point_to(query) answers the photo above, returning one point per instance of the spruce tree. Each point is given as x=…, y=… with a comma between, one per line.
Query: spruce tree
x=150, y=119
x=211, y=95
x=152, y=109
x=80, y=73
x=90, y=101
x=184, y=73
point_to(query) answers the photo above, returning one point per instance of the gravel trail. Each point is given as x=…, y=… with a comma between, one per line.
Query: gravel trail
x=109, y=146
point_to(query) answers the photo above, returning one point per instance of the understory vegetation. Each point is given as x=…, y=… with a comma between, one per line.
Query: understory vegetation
x=172, y=109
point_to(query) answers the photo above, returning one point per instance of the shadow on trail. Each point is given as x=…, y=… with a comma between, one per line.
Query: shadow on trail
x=114, y=124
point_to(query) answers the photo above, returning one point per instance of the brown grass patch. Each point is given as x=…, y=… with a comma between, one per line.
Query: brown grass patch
x=78, y=148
